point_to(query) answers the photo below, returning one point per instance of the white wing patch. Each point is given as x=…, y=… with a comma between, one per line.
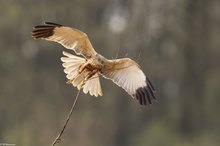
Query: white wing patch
x=127, y=74
x=131, y=78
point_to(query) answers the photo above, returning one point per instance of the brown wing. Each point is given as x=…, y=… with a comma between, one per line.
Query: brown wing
x=127, y=74
x=70, y=38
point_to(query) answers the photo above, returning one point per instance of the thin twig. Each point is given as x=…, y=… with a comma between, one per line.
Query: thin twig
x=58, y=138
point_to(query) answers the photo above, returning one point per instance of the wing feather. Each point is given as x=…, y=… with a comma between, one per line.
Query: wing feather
x=70, y=38
x=127, y=74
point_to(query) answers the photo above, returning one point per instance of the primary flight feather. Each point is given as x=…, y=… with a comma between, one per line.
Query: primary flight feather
x=84, y=73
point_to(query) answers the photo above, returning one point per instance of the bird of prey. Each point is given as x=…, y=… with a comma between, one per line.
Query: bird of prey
x=83, y=73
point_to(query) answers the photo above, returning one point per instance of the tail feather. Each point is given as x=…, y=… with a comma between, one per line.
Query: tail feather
x=93, y=86
x=72, y=63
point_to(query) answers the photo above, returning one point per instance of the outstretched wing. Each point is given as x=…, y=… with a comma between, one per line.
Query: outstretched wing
x=70, y=38
x=127, y=74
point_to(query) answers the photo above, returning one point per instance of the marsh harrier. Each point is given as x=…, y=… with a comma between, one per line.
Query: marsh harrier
x=84, y=73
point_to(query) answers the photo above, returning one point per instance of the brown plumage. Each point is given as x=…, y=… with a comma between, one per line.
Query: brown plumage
x=84, y=72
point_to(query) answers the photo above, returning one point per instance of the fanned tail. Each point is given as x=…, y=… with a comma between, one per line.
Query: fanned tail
x=93, y=86
x=72, y=63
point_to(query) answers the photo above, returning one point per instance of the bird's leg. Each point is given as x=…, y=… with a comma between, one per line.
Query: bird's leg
x=80, y=70
x=83, y=82
x=93, y=72
x=82, y=67
x=69, y=81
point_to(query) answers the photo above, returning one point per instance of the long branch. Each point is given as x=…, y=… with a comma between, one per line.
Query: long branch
x=58, y=138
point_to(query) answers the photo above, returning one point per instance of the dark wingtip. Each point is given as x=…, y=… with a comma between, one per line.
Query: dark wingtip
x=44, y=31
x=52, y=24
x=146, y=94
x=150, y=84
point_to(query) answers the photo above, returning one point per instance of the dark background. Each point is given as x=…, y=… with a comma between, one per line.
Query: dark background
x=179, y=46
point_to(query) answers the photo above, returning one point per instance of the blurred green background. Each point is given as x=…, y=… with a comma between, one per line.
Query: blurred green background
x=179, y=46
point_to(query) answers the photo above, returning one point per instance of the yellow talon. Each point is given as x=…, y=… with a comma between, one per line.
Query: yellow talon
x=82, y=67
x=69, y=81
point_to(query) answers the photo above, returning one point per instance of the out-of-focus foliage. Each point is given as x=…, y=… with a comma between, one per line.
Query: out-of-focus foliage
x=179, y=41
